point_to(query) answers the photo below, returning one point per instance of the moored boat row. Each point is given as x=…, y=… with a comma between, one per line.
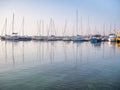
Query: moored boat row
x=94, y=38
x=77, y=37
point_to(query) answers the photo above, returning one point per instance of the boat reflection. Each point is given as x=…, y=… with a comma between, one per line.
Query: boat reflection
x=98, y=44
x=118, y=45
x=112, y=44
x=53, y=52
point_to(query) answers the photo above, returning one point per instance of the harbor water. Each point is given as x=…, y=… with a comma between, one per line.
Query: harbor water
x=59, y=65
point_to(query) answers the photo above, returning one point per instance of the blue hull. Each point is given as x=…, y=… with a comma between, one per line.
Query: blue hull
x=95, y=40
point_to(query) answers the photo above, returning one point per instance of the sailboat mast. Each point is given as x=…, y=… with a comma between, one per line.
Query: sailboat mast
x=76, y=22
x=5, y=26
x=115, y=28
x=51, y=23
x=13, y=24
x=104, y=29
x=65, y=26
x=23, y=27
x=89, y=29
x=81, y=25
x=54, y=28
x=110, y=28
x=49, y=30
x=95, y=29
x=42, y=27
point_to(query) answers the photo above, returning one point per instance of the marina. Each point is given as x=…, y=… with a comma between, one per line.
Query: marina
x=59, y=44
x=59, y=62
x=51, y=33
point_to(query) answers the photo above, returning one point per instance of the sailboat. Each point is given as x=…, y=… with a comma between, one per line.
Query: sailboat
x=40, y=27
x=88, y=36
x=23, y=37
x=96, y=38
x=14, y=35
x=4, y=30
x=52, y=37
x=104, y=36
x=77, y=38
x=65, y=38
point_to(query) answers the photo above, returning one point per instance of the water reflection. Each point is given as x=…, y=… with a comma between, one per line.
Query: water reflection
x=118, y=45
x=53, y=51
x=65, y=50
x=23, y=57
x=112, y=51
x=59, y=65
x=96, y=44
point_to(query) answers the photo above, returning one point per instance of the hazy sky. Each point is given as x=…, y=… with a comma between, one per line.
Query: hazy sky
x=99, y=12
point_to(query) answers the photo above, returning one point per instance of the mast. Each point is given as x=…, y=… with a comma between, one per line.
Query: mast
x=5, y=26
x=95, y=29
x=115, y=28
x=65, y=27
x=110, y=28
x=76, y=22
x=53, y=25
x=13, y=24
x=39, y=28
x=104, y=29
x=89, y=29
x=47, y=30
x=81, y=25
x=23, y=27
x=42, y=27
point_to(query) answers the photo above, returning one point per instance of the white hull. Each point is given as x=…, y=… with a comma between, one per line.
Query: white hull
x=112, y=38
x=66, y=39
x=78, y=39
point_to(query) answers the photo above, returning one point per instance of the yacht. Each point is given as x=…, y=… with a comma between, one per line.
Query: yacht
x=96, y=38
x=67, y=38
x=112, y=38
x=51, y=38
x=78, y=38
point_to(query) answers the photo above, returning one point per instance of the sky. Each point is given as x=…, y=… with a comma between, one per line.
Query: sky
x=92, y=16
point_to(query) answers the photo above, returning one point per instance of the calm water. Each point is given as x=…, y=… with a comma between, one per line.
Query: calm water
x=59, y=66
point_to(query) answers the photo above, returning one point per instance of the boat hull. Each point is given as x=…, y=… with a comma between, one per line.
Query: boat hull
x=95, y=40
x=112, y=39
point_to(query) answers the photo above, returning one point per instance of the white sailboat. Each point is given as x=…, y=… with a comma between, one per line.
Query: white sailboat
x=40, y=26
x=104, y=36
x=23, y=37
x=77, y=38
x=52, y=37
x=14, y=35
x=65, y=38
x=3, y=35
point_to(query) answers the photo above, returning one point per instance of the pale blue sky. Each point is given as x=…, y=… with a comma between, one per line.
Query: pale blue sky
x=98, y=11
